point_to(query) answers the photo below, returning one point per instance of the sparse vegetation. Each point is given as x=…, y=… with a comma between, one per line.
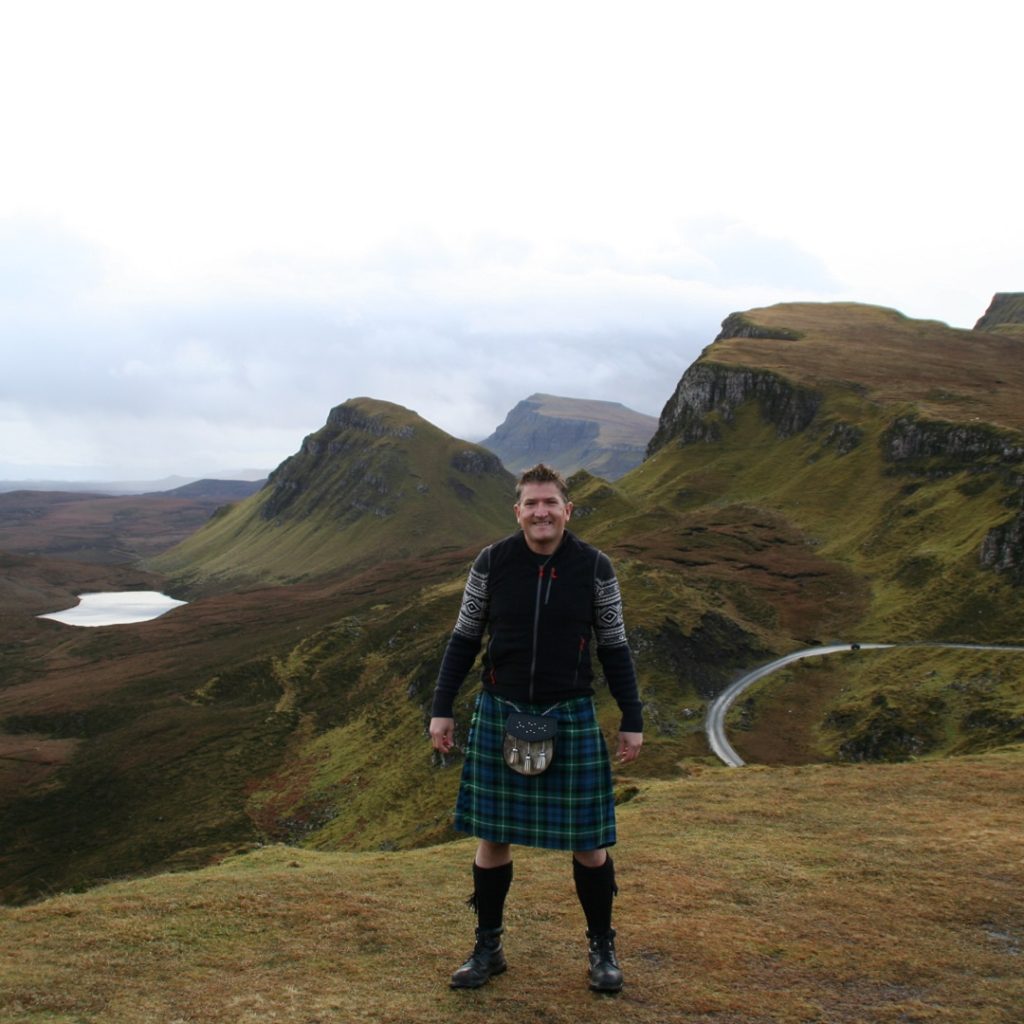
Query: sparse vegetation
x=884, y=893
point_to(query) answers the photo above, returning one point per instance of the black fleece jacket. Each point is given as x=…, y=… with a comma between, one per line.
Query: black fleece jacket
x=541, y=614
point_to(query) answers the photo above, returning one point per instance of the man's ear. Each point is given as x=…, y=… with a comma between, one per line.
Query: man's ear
x=568, y=511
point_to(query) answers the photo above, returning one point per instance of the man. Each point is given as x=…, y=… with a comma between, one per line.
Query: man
x=541, y=594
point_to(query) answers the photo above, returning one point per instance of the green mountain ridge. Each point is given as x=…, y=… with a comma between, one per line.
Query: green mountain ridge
x=376, y=481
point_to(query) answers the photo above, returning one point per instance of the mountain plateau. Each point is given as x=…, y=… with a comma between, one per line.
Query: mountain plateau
x=604, y=438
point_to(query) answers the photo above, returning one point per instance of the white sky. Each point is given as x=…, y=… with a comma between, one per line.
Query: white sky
x=220, y=219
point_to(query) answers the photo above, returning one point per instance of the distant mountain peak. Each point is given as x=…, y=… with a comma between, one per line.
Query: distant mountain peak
x=375, y=482
x=606, y=438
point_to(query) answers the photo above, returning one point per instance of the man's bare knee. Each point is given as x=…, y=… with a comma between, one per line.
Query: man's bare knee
x=591, y=858
x=492, y=855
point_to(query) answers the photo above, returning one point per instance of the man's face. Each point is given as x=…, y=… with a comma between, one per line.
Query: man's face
x=542, y=513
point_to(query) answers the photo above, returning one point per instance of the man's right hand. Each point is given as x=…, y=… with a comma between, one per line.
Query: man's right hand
x=442, y=734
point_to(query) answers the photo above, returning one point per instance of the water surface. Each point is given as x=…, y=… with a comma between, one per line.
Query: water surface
x=115, y=608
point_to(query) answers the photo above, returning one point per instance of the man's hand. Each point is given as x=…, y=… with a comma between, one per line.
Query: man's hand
x=629, y=746
x=442, y=734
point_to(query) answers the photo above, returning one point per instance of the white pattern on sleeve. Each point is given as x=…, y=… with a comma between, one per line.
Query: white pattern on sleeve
x=475, y=602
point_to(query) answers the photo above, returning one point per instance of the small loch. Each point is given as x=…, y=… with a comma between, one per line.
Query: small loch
x=115, y=608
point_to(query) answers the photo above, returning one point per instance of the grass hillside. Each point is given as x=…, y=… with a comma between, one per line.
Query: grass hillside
x=882, y=893
x=883, y=705
x=786, y=501
x=862, y=463
x=376, y=482
x=164, y=743
x=885, y=357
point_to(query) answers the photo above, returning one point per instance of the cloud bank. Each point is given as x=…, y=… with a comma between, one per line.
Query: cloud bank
x=96, y=383
x=220, y=219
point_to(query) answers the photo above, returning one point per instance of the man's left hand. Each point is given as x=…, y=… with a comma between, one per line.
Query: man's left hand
x=629, y=746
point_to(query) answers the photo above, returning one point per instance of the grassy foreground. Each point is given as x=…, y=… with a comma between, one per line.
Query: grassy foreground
x=875, y=893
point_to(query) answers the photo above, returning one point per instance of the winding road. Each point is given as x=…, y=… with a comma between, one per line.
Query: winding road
x=714, y=722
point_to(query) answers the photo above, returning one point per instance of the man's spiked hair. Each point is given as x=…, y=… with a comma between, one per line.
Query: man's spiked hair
x=542, y=474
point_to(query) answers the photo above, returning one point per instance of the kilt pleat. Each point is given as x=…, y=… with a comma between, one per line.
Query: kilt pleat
x=571, y=806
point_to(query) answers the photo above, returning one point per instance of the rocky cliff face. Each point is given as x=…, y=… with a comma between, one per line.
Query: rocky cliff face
x=708, y=395
x=958, y=444
x=604, y=438
x=939, y=365
x=739, y=325
x=1003, y=549
x=1006, y=309
x=934, y=449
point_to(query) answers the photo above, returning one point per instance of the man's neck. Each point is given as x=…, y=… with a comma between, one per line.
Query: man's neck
x=545, y=549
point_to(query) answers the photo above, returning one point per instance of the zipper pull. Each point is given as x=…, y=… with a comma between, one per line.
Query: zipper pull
x=552, y=576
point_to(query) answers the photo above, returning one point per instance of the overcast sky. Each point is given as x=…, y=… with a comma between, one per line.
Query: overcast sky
x=219, y=219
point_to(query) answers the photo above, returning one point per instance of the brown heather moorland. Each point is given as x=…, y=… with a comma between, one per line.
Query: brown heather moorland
x=98, y=528
x=945, y=372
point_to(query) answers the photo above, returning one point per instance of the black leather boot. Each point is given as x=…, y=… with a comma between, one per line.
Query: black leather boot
x=486, y=960
x=605, y=973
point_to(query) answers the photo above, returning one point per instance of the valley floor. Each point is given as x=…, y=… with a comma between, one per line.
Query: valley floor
x=870, y=893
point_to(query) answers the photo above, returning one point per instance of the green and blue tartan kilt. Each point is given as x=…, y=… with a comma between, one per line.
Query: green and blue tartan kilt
x=571, y=806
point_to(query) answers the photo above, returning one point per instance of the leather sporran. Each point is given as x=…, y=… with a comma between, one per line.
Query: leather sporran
x=529, y=745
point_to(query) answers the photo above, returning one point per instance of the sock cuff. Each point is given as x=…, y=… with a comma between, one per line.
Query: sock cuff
x=599, y=877
x=499, y=873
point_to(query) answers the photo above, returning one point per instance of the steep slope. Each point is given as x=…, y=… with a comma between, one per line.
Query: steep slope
x=375, y=482
x=1004, y=314
x=605, y=438
x=888, y=446
x=160, y=743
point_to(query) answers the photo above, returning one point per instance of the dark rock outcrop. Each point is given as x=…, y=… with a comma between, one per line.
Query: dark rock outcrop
x=475, y=462
x=737, y=325
x=910, y=437
x=707, y=657
x=933, y=448
x=709, y=394
x=1003, y=549
x=1006, y=308
x=350, y=417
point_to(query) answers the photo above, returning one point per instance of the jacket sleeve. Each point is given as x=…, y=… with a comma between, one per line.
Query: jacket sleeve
x=612, y=648
x=464, y=643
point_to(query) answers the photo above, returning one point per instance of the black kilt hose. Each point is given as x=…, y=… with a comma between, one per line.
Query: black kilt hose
x=570, y=806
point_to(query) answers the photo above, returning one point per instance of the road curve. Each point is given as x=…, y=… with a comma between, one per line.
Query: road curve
x=714, y=721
